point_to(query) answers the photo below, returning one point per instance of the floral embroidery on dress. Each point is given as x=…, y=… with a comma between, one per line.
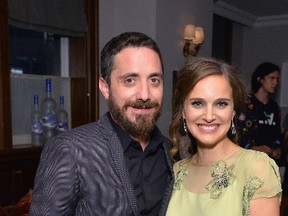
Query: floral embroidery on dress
x=179, y=178
x=253, y=184
x=222, y=176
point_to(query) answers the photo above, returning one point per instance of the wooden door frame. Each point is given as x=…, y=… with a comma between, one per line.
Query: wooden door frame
x=5, y=94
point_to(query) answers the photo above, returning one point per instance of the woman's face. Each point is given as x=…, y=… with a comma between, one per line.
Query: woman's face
x=209, y=109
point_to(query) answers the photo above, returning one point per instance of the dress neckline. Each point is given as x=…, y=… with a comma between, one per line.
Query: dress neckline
x=212, y=163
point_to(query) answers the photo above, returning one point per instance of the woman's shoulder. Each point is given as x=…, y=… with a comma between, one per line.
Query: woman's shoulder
x=250, y=155
x=257, y=162
x=181, y=164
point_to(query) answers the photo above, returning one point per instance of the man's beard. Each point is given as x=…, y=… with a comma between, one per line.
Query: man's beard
x=142, y=124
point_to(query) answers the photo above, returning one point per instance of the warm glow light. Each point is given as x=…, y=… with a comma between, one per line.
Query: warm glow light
x=189, y=32
x=199, y=35
x=194, y=37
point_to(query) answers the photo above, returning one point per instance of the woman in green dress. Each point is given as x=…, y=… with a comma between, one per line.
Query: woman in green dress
x=220, y=177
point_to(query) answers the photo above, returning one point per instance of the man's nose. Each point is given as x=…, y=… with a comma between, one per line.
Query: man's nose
x=143, y=91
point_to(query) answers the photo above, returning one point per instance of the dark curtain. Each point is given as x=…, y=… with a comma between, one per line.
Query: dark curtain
x=63, y=17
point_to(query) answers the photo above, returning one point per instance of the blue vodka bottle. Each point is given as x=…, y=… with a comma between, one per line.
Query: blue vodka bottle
x=48, y=110
x=36, y=125
x=62, y=117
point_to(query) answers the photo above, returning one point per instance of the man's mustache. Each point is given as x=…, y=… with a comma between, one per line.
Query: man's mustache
x=142, y=104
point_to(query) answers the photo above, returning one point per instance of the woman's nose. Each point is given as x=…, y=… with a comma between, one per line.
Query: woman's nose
x=209, y=114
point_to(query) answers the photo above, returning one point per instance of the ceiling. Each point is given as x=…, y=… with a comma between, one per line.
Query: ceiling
x=259, y=8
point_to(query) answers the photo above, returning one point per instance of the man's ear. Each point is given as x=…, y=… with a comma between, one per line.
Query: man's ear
x=104, y=88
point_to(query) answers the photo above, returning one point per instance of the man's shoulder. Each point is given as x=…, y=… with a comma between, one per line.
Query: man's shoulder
x=98, y=130
x=102, y=122
x=251, y=98
x=167, y=142
x=273, y=103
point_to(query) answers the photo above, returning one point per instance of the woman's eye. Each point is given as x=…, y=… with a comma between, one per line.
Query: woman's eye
x=197, y=103
x=223, y=104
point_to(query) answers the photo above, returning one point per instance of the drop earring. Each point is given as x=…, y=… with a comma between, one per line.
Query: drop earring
x=184, y=127
x=233, y=128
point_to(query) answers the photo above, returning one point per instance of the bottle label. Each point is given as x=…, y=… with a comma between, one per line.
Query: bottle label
x=62, y=126
x=49, y=121
x=37, y=128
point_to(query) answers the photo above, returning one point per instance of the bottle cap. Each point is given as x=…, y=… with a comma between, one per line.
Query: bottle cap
x=48, y=85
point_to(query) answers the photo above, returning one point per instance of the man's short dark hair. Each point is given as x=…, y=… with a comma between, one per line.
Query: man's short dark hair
x=118, y=43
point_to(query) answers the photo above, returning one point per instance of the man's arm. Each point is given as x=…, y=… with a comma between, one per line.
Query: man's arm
x=55, y=182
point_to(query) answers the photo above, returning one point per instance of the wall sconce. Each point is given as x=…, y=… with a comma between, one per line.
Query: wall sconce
x=193, y=36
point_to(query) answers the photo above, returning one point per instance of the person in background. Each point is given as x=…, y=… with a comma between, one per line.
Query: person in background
x=285, y=143
x=285, y=133
x=118, y=165
x=220, y=178
x=261, y=122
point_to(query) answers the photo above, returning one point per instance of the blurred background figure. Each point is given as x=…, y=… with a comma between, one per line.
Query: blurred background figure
x=285, y=143
x=285, y=134
x=261, y=122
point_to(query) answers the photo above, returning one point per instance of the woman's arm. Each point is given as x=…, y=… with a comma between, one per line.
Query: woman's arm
x=265, y=206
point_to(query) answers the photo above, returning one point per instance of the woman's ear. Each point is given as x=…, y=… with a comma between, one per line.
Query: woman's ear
x=104, y=88
x=183, y=114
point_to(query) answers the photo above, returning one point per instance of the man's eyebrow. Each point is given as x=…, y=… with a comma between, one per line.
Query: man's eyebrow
x=130, y=74
x=157, y=74
x=133, y=74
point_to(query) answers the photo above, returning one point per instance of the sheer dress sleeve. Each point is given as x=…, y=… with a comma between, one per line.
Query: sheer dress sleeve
x=263, y=178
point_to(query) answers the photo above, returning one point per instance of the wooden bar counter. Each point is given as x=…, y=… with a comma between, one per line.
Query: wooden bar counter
x=18, y=167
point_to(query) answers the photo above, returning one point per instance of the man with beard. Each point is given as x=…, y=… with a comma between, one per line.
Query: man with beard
x=118, y=165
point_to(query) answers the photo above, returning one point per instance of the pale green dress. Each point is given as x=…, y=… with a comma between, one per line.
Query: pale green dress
x=226, y=187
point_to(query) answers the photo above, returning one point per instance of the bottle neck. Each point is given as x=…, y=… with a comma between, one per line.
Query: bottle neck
x=48, y=94
x=36, y=107
x=62, y=102
x=36, y=103
x=48, y=88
